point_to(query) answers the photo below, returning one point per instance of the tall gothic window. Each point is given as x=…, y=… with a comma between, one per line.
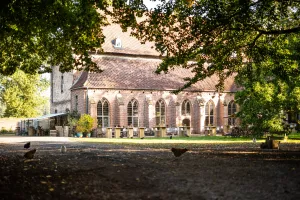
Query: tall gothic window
x=103, y=113
x=132, y=113
x=231, y=113
x=160, y=112
x=186, y=107
x=209, y=113
x=76, y=102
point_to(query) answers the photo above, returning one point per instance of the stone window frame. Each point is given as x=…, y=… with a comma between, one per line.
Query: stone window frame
x=160, y=117
x=133, y=113
x=186, y=108
x=103, y=119
x=232, y=108
x=209, y=116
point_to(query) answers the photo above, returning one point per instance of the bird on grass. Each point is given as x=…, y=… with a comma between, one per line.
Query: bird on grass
x=186, y=135
x=63, y=149
x=171, y=136
x=142, y=137
x=30, y=154
x=131, y=137
x=27, y=145
x=178, y=151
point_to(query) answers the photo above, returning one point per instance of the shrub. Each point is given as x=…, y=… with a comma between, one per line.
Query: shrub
x=85, y=124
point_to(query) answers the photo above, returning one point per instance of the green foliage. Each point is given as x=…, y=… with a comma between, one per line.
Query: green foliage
x=35, y=34
x=21, y=94
x=256, y=41
x=232, y=36
x=85, y=123
x=5, y=131
x=264, y=104
x=73, y=118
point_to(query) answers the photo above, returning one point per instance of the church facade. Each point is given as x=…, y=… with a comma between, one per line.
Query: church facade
x=129, y=93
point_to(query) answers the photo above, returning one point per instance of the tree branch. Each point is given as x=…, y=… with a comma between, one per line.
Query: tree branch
x=278, y=32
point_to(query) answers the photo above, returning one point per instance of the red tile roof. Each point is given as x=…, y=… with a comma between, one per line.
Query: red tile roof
x=138, y=73
x=130, y=45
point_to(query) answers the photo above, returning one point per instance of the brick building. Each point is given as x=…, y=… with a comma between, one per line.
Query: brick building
x=129, y=93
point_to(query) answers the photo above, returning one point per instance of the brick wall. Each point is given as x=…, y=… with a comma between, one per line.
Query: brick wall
x=146, y=106
x=119, y=99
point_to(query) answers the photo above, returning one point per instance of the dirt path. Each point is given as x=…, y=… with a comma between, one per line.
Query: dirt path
x=106, y=171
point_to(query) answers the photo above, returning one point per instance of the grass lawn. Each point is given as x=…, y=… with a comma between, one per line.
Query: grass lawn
x=292, y=138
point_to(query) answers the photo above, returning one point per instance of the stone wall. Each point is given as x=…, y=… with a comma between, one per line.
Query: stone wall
x=10, y=123
x=60, y=99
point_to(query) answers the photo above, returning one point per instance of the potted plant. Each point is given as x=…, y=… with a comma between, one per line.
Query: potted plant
x=73, y=118
x=85, y=125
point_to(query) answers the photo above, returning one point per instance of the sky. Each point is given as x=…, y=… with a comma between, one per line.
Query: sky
x=151, y=4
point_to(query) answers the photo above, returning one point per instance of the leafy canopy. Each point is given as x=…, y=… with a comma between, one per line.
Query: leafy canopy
x=21, y=94
x=257, y=41
x=35, y=34
x=231, y=35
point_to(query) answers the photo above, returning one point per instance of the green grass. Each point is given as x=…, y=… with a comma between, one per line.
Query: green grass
x=176, y=140
x=292, y=138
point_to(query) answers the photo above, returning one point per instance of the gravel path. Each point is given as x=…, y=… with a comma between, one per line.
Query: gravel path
x=119, y=171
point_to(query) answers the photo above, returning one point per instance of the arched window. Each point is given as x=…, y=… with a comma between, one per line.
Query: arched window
x=103, y=113
x=231, y=113
x=186, y=107
x=132, y=113
x=209, y=113
x=160, y=112
x=76, y=102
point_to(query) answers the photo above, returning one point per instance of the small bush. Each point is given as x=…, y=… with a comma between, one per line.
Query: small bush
x=85, y=124
x=5, y=131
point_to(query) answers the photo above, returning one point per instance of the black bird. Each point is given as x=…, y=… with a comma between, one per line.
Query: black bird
x=171, y=136
x=27, y=145
x=142, y=137
x=178, y=151
x=30, y=154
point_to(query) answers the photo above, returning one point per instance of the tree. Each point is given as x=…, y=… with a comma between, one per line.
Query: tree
x=37, y=34
x=22, y=94
x=257, y=41
x=232, y=36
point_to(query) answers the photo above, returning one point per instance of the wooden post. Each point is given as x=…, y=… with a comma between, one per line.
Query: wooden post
x=213, y=131
x=142, y=132
x=109, y=132
x=188, y=130
x=130, y=132
x=157, y=132
x=163, y=131
x=117, y=132
x=182, y=131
